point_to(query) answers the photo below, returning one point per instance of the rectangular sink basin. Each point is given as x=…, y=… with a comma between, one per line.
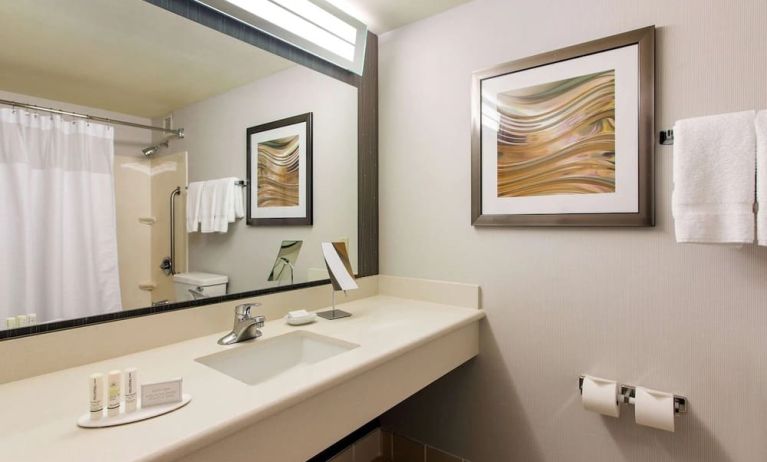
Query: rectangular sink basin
x=263, y=359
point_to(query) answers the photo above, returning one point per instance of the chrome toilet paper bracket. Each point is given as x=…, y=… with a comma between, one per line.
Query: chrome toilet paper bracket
x=628, y=394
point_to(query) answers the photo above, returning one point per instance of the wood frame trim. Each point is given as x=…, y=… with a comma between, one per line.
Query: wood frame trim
x=645, y=216
x=367, y=158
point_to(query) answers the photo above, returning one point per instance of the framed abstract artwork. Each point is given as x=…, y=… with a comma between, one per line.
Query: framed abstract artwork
x=565, y=138
x=279, y=163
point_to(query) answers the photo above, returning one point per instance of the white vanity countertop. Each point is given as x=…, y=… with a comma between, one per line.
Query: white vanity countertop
x=38, y=415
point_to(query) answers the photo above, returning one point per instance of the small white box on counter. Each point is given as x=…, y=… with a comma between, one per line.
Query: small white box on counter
x=154, y=394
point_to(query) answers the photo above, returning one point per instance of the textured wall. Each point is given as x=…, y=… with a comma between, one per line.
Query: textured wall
x=626, y=304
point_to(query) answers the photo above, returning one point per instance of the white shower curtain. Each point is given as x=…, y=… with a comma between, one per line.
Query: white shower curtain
x=58, y=241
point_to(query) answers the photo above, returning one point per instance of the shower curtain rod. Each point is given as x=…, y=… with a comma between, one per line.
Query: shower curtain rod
x=179, y=132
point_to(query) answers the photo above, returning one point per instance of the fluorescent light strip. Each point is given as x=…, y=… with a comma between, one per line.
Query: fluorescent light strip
x=320, y=17
x=354, y=11
x=293, y=23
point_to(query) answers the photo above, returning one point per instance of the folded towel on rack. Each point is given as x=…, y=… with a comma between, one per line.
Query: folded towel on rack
x=208, y=207
x=235, y=207
x=761, y=177
x=714, y=168
x=239, y=201
x=219, y=205
x=214, y=214
x=193, y=195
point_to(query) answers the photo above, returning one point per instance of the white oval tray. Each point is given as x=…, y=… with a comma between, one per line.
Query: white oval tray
x=129, y=417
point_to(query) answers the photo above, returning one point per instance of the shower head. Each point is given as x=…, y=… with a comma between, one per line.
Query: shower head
x=151, y=150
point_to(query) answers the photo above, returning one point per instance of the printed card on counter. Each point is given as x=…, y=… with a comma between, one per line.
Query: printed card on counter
x=154, y=394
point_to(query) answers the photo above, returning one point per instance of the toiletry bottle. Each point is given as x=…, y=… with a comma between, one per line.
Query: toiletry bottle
x=10, y=323
x=96, y=395
x=131, y=389
x=113, y=392
x=21, y=320
x=31, y=319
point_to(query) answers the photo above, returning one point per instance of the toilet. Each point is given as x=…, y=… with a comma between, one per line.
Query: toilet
x=193, y=286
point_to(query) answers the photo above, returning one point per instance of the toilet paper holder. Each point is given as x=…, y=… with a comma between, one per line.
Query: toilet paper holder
x=628, y=394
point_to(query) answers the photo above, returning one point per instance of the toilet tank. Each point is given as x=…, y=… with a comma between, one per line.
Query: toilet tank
x=207, y=284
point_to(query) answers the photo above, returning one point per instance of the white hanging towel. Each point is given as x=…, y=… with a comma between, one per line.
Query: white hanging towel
x=208, y=207
x=193, y=196
x=219, y=205
x=761, y=177
x=239, y=201
x=235, y=208
x=714, y=169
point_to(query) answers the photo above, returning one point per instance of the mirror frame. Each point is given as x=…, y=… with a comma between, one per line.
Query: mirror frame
x=367, y=159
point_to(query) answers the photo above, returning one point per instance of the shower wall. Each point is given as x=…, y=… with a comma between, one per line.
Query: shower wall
x=133, y=201
x=168, y=171
x=142, y=191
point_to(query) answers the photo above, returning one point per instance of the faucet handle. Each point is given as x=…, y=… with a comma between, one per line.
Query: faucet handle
x=244, y=309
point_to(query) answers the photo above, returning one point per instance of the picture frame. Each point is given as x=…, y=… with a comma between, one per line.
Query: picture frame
x=565, y=138
x=279, y=172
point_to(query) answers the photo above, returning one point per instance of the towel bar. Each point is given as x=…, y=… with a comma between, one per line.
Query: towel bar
x=628, y=394
x=242, y=183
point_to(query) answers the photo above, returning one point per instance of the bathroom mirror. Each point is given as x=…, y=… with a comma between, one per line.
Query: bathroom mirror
x=106, y=218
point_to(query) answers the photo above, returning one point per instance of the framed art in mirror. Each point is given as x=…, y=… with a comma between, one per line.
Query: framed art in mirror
x=565, y=138
x=279, y=160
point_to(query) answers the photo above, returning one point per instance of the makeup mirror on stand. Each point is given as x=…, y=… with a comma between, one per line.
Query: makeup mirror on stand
x=341, y=276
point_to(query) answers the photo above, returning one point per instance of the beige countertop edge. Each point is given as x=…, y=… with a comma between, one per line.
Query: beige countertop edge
x=381, y=309
x=215, y=433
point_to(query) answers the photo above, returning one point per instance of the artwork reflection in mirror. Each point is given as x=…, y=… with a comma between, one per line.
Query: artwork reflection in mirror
x=279, y=158
x=101, y=217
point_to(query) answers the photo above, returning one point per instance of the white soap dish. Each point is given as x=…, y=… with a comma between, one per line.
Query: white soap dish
x=300, y=317
x=127, y=417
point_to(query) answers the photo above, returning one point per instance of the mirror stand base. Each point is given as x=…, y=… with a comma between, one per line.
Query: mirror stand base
x=333, y=314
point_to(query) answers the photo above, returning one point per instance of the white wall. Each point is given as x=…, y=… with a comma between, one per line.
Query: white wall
x=215, y=142
x=629, y=304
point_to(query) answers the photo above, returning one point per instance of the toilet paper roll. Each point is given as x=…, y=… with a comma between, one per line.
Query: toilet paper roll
x=601, y=395
x=654, y=408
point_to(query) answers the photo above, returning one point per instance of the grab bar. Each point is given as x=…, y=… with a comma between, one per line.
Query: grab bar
x=173, y=195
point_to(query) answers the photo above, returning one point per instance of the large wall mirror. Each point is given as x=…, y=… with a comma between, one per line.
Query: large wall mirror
x=104, y=220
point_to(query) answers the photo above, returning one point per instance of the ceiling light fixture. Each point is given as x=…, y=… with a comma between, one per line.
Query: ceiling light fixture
x=315, y=26
x=320, y=17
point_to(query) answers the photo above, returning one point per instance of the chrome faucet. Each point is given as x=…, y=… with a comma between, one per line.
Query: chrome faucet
x=245, y=325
